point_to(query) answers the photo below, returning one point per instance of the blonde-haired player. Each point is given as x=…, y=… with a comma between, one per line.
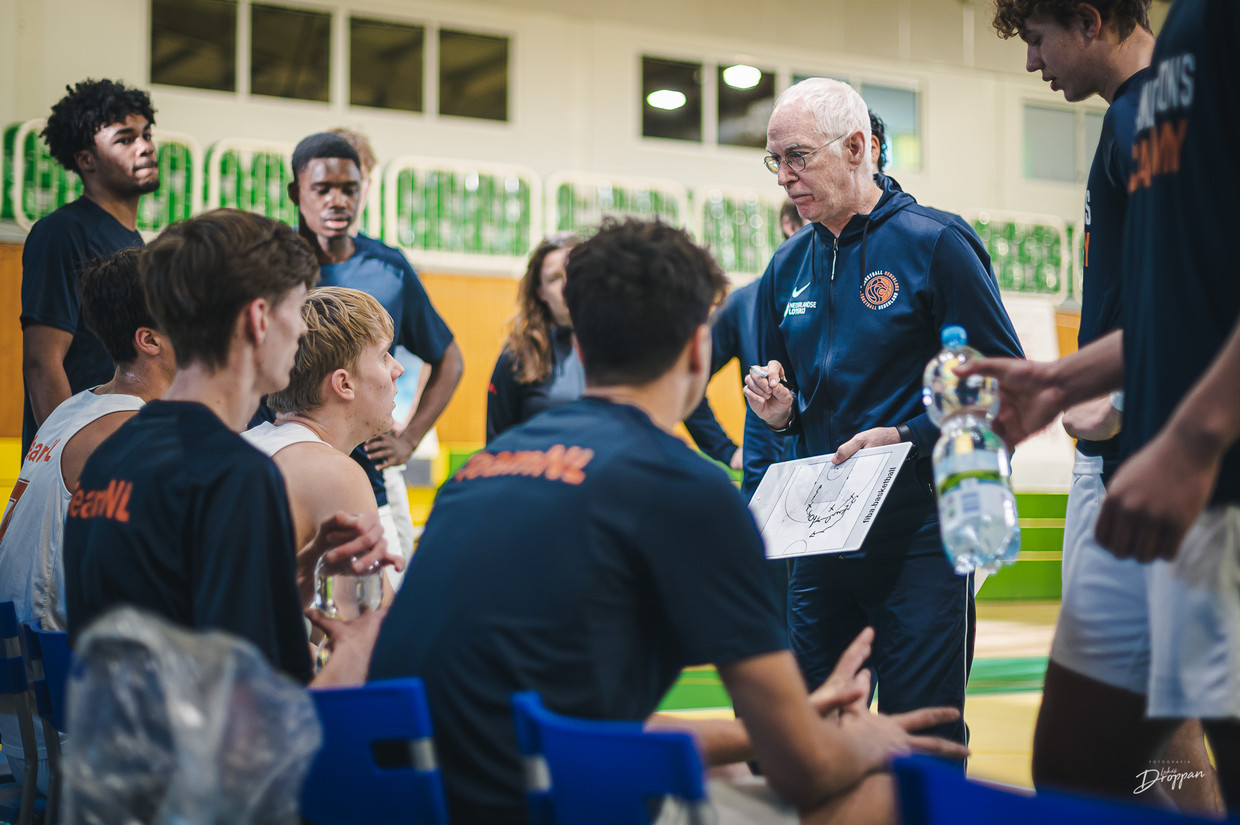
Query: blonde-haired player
x=340, y=393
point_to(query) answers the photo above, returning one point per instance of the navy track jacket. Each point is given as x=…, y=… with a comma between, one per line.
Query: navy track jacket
x=854, y=320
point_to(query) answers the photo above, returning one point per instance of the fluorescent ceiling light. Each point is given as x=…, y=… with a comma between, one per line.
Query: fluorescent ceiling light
x=666, y=99
x=741, y=76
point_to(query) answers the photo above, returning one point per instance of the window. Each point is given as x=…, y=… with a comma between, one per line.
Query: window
x=194, y=43
x=386, y=64
x=1060, y=142
x=671, y=99
x=900, y=111
x=746, y=96
x=473, y=75
x=290, y=52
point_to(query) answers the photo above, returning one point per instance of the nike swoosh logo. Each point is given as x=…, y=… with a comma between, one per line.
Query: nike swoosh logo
x=796, y=293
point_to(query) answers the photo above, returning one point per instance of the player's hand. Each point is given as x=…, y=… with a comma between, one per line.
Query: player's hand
x=738, y=460
x=770, y=400
x=877, y=738
x=389, y=450
x=1156, y=495
x=1095, y=420
x=847, y=689
x=358, y=538
x=1028, y=398
x=349, y=645
x=876, y=437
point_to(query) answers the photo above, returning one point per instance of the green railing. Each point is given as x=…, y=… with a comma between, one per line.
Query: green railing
x=252, y=176
x=471, y=215
x=739, y=227
x=448, y=211
x=581, y=200
x=1030, y=254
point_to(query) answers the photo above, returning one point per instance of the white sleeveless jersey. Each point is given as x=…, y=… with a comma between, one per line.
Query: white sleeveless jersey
x=271, y=439
x=32, y=570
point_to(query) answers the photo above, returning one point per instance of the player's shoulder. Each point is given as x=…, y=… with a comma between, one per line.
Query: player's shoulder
x=376, y=249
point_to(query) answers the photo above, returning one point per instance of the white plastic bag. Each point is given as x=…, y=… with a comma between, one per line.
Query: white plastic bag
x=172, y=727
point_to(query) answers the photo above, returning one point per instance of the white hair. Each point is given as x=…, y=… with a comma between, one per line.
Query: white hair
x=836, y=107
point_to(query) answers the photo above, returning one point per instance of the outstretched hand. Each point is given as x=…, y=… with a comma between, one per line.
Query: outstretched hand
x=1028, y=399
x=847, y=689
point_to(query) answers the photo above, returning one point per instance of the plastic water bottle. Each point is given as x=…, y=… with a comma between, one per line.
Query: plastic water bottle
x=344, y=594
x=972, y=471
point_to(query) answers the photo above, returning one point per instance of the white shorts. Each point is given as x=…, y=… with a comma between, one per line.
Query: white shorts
x=735, y=802
x=1195, y=622
x=1103, y=630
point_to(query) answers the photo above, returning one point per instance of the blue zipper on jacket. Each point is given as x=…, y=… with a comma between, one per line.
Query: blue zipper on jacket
x=835, y=254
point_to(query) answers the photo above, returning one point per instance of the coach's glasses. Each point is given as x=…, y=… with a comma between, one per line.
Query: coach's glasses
x=795, y=160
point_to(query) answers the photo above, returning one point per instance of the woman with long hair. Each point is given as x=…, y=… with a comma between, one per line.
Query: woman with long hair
x=538, y=368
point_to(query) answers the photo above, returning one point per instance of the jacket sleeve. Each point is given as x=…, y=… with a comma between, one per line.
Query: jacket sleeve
x=503, y=397
x=709, y=435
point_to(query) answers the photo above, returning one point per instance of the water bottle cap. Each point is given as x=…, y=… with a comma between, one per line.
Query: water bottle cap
x=954, y=336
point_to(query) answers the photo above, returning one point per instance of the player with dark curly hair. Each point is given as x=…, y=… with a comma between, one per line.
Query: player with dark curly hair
x=101, y=129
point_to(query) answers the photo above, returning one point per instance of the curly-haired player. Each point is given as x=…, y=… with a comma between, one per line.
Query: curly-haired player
x=101, y=130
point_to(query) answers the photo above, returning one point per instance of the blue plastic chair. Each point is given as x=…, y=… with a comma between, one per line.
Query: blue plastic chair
x=934, y=793
x=377, y=764
x=604, y=773
x=18, y=805
x=48, y=659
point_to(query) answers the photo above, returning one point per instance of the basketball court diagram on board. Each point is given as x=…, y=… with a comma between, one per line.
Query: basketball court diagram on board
x=812, y=506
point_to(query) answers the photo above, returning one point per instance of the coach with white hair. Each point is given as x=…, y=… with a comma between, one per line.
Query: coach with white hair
x=848, y=314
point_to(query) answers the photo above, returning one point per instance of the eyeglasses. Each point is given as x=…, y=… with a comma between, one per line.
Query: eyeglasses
x=795, y=160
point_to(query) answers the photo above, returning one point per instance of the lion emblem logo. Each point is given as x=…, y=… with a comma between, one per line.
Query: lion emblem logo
x=880, y=290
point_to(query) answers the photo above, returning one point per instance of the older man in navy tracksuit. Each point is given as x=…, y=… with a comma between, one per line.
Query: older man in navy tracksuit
x=848, y=314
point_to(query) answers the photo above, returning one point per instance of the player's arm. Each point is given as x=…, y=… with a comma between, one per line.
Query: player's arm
x=1143, y=515
x=43, y=367
x=810, y=759
x=321, y=482
x=389, y=450
x=1032, y=393
x=710, y=437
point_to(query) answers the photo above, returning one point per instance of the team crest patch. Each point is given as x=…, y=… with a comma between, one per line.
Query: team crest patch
x=880, y=290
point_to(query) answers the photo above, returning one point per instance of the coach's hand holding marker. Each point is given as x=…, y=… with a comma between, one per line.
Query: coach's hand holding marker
x=769, y=395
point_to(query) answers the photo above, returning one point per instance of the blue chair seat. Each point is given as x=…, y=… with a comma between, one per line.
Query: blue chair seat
x=18, y=804
x=601, y=772
x=377, y=764
x=934, y=793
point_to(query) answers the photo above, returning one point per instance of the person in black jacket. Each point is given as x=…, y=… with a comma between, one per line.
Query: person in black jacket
x=538, y=368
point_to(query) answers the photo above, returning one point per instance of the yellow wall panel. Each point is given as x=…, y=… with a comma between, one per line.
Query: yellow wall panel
x=11, y=341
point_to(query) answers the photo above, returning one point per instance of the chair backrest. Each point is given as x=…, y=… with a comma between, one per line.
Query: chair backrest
x=604, y=773
x=49, y=659
x=934, y=793
x=12, y=668
x=377, y=764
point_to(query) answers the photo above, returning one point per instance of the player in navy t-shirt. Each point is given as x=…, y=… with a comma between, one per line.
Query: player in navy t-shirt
x=176, y=513
x=588, y=554
x=102, y=131
x=1175, y=500
x=326, y=189
x=1091, y=734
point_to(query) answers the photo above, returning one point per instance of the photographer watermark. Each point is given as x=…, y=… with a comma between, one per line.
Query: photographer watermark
x=1173, y=772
